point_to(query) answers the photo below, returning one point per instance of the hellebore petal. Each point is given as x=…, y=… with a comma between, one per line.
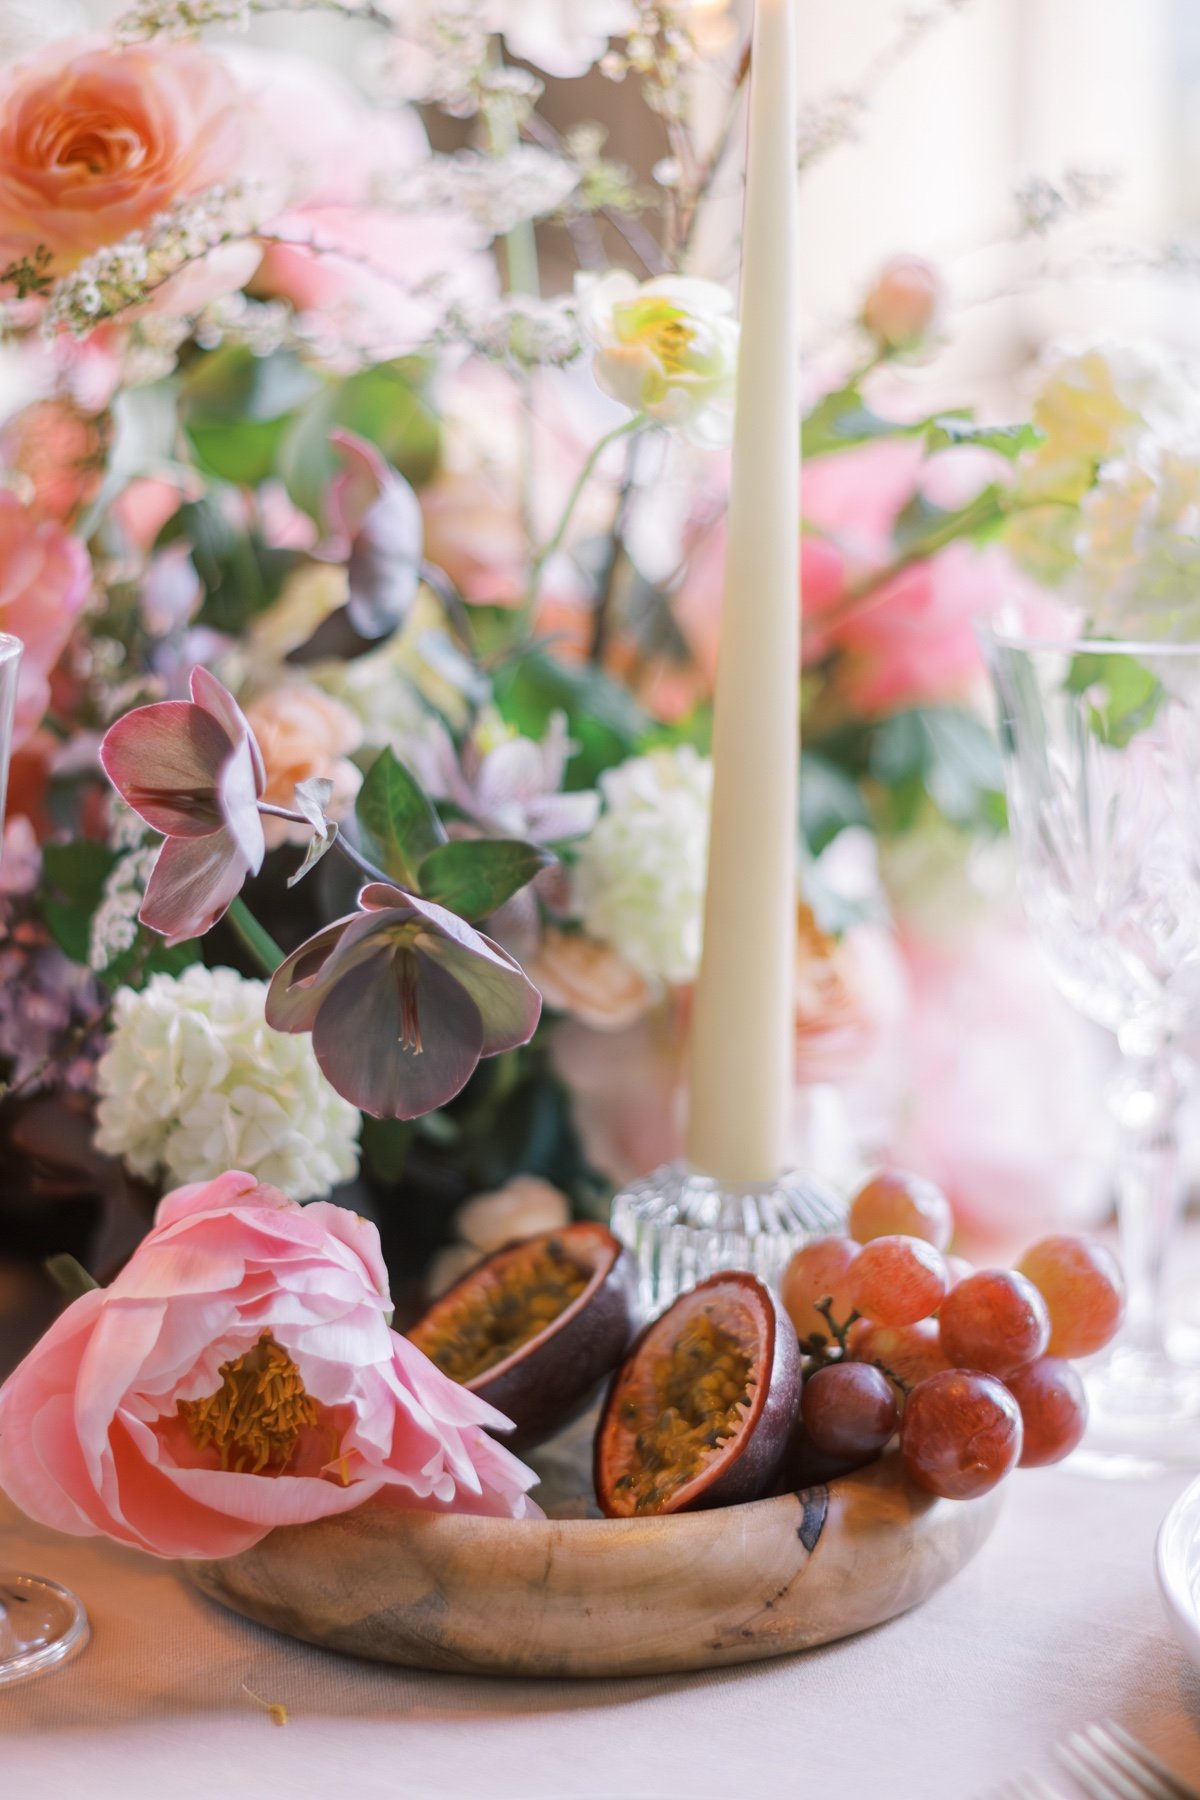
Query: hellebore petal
x=165, y=761
x=304, y=980
x=237, y=799
x=377, y=512
x=358, y=1038
x=192, y=884
x=207, y=692
x=508, y=1002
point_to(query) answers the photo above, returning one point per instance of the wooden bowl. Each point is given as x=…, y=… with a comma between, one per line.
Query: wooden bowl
x=565, y=1597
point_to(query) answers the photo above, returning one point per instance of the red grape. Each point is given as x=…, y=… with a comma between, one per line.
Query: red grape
x=818, y=1271
x=994, y=1320
x=897, y=1205
x=961, y=1434
x=1053, y=1409
x=912, y=1352
x=1081, y=1283
x=898, y=1280
x=849, y=1409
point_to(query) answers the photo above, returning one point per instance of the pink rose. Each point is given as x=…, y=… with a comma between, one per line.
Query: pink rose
x=850, y=994
x=574, y=974
x=45, y=579
x=239, y=1374
x=59, y=452
x=95, y=141
x=904, y=302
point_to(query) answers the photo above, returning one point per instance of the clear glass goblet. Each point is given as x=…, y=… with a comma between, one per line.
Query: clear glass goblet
x=41, y=1623
x=1101, y=747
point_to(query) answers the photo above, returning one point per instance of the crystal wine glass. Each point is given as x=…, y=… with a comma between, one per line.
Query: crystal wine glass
x=1101, y=746
x=41, y=1623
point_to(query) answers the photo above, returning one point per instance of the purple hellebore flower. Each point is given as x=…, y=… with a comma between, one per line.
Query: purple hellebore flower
x=192, y=770
x=377, y=517
x=402, y=999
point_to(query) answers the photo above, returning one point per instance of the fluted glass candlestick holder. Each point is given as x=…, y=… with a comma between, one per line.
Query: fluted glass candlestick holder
x=681, y=1227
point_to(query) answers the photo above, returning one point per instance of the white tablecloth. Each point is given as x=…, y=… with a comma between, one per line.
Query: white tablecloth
x=1058, y=1622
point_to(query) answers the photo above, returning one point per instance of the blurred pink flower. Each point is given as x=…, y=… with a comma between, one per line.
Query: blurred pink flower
x=903, y=303
x=911, y=642
x=239, y=1374
x=850, y=995
x=59, y=452
x=627, y=1088
x=1000, y=1085
x=192, y=770
x=45, y=579
x=303, y=732
x=402, y=998
x=96, y=140
x=369, y=272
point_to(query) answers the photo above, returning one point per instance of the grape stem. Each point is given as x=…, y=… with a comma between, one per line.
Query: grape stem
x=822, y=1353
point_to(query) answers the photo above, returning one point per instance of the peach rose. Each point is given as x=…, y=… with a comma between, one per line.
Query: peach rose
x=588, y=980
x=45, y=578
x=303, y=732
x=60, y=453
x=850, y=992
x=96, y=141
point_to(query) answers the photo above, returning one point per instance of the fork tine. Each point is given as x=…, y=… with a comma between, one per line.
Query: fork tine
x=1134, y=1756
x=1083, y=1761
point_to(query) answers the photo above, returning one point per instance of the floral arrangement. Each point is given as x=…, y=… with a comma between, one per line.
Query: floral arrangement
x=367, y=557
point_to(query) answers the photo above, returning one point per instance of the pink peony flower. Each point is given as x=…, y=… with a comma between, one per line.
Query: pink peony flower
x=192, y=770
x=238, y=1375
x=45, y=579
x=95, y=141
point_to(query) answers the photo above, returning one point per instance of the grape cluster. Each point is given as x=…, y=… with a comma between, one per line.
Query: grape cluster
x=971, y=1366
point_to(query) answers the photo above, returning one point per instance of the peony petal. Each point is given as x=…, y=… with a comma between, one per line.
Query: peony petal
x=165, y=761
x=357, y=1040
x=192, y=884
x=214, y=1196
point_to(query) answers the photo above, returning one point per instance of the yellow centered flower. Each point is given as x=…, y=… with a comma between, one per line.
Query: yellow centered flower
x=257, y=1414
x=666, y=348
x=659, y=327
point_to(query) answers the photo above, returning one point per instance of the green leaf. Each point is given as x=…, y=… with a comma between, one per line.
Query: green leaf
x=949, y=432
x=944, y=754
x=386, y=405
x=244, y=451
x=476, y=875
x=842, y=419
x=399, y=825
x=69, y=1275
x=73, y=877
x=241, y=574
x=830, y=800
x=921, y=528
x=602, y=716
x=1127, y=695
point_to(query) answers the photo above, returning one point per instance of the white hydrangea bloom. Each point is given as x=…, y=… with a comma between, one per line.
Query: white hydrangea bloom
x=1139, y=543
x=195, y=1082
x=641, y=873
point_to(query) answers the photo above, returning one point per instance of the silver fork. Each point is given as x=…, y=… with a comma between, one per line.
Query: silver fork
x=1108, y=1764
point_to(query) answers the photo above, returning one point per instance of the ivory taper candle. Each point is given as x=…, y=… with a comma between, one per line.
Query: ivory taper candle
x=742, y=1045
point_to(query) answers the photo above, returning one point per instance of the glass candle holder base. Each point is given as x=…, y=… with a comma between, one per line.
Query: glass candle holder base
x=42, y=1625
x=681, y=1226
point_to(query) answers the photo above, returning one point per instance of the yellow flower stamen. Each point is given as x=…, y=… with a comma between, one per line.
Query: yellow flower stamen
x=671, y=341
x=257, y=1414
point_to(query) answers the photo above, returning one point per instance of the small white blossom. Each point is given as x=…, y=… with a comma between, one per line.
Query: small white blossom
x=641, y=873
x=666, y=348
x=498, y=192
x=114, y=926
x=195, y=1082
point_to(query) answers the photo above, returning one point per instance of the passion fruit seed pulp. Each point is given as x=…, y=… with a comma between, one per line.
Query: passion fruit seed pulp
x=504, y=1313
x=700, y=1394
x=703, y=1405
x=535, y=1328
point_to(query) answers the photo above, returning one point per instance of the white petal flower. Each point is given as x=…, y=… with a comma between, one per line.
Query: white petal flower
x=563, y=37
x=194, y=1082
x=641, y=873
x=666, y=348
x=1139, y=543
x=1093, y=403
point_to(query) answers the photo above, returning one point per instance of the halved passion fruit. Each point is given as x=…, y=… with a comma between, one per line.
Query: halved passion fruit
x=703, y=1406
x=535, y=1327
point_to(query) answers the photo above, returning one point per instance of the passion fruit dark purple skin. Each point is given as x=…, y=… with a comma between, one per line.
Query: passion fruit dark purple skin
x=704, y=1405
x=535, y=1328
